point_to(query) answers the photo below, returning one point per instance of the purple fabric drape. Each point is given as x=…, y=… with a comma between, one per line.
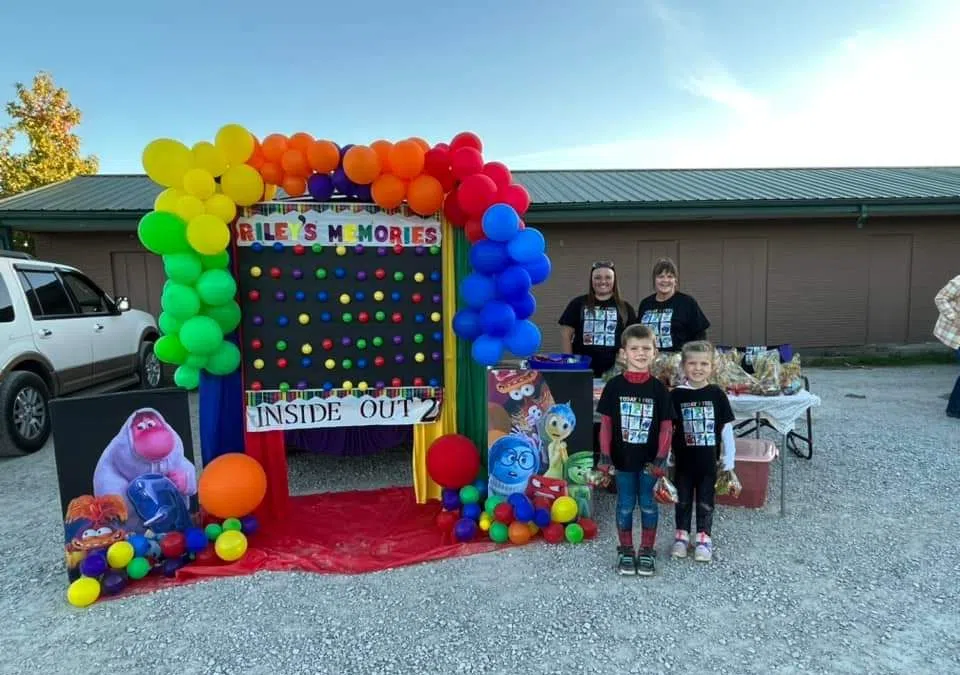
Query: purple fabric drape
x=350, y=441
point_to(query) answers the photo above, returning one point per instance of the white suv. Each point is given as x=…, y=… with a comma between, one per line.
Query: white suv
x=61, y=334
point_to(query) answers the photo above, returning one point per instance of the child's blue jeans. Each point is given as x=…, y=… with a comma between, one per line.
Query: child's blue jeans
x=635, y=487
x=953, y=405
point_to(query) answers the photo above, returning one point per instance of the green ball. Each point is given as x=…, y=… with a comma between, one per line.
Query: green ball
x=232, y=524
x=499, y=532
x=347, y=317
x=320, y=273
x=180, y=301
x=186, y=377
x=317, y=248
x=163, y=233
x=574, y=533
x=226, y=315
x=378, y=341
x=201, y=335
x=398, y=276
x=225, y=360
x=361, y=344
x=434, y=250
x=213, y=530
x=418, y=338
x=493, y=501
x=217, y=261
x=216, y=287
x=347, y=364
x=197, y=361
x=169, y=350
x=138, y=568
x=184, y=268
x=169, y=325
x=281, y=345
x=469, y=494
x=380, y=315
x=284, y=387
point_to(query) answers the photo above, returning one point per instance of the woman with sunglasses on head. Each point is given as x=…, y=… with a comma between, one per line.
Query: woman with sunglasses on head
x=674, y=317
x=591, y=324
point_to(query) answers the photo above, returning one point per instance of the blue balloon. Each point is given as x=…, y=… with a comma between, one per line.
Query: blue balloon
x=343, y=150
x=497, y=318
x=487, y=350
x=524, y=306
x=466, y=324
x=541, y=517
x=513, y=282
x=344, y=185
x=501, y=222
x=320, y=186
x=141, y=545
x=363, y=193
x=488, y=257
x=477, y=290
x=523, y=340
x=539, y=269
x=196, y=539
x=523, y=512
x=471, y=511
x=526, y=245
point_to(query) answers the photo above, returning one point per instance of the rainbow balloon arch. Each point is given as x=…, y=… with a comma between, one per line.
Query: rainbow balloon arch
x=490, y=257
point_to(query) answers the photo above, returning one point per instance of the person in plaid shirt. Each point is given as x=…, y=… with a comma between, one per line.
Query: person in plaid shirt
x=947, y=331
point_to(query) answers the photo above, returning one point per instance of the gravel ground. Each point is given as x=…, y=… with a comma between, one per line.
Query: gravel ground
x=858, y=577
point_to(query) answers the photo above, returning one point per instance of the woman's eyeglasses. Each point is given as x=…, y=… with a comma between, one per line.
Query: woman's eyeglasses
x=602, y=263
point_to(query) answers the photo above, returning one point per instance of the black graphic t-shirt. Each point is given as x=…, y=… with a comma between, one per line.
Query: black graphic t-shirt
x=675, y=321
x=700, y=415
x=597, y=330
x=636, y=411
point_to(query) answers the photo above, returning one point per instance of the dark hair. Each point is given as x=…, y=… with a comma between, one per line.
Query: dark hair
x=663, y=265
x=592, y=296
x=696, y=347
x=637, y=331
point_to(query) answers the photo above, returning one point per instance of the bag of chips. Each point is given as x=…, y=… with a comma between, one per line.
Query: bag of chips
x=728, y=484
x=668, y=369
x=791, y=378
x=731, y=377
x=664, y=491
x=766, y=371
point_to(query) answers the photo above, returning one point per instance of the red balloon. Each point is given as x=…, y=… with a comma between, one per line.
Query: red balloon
x=516, y=196
x=474, y=230
x=476, y=193
x=445, y=520
x=452, y=210
x=589, y=528
x=503, y=513
x=466, y=139
x=499, y=172
x=447, y=180
x=466, y=162
x=436, y=162
x=554, y=533
x=443, y=146
x=453, y=461
x=173, y=545
x=206, y=557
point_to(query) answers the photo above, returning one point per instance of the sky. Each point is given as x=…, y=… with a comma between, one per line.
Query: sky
x=562, y=84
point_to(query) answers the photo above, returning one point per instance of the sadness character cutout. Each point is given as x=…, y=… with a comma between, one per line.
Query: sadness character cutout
x=512, y=461
x=555, y=427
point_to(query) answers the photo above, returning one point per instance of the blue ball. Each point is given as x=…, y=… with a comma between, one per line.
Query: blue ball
x=501, y=222
x=256, y=247
x=523, y=512
x=541, y=517
x=323, y=296
x=300, y=296
x=339, y=273
x=327, y=386
x=325, y=316
x=497, y=318
x=283, y=321
x=359, y=296
x=464, y=529
x=472, y=511
x=196, y=539
x=141, y=545
x=477, y=290
x=523, y=340
x=361, y=363
x=526, y=245
x=539, y=269
x=450, y=499
x=278, y=247
x=435, y=276
x=524, y=306
x=438, y=337
x=434, y=382
x=513, y=282
x=487, y=350
x=466, y=324
x=517, y=498
x=306, y=362
x=481, y=485
x=489, y=257
x=395, y=296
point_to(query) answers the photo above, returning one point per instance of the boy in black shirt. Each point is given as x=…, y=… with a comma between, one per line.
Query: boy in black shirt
x=703, y=416
x=635, y=431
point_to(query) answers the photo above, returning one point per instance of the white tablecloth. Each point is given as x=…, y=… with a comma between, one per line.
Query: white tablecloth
x=781, y=411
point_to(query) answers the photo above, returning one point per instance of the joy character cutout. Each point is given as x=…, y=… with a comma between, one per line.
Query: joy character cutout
x=555, y=427
x=579, y=474
x=512, y=460
x=528, y=395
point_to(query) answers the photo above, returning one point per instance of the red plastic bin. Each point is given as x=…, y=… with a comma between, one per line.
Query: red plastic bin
x=754, y=457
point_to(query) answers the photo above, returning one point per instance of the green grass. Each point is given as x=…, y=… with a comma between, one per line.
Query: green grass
x=879, y=360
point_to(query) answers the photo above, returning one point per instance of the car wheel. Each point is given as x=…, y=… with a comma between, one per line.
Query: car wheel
x=151, y=370
x=24, y=404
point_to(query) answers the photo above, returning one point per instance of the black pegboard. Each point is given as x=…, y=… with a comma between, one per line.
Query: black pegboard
x=305, y=295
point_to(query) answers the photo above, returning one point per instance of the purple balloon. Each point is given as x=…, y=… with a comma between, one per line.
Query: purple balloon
x=113, y=582
x=249, y=524
x=344, y=185
x=343, y=150
x=320, y=186
x=171, y=565
x=363, y=193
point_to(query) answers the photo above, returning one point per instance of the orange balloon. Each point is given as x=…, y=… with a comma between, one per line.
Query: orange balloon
x=361, y=165
x=271, y=173
x=388, y=191
x=518, y=533
x=274, y=146
x=323, y=156
x=425, y=195
x=419, y=141
x=294, y=186
x=232, y=486
x=406, y=159
x=382, y=148
x=256, y=159
x=294, y=163
x=301, y=141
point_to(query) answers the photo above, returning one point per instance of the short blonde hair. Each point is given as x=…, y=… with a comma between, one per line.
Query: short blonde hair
x=637, y=331
x=696, y=347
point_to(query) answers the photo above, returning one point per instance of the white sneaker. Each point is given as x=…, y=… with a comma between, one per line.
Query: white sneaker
x=681, y=543
x=704, y=550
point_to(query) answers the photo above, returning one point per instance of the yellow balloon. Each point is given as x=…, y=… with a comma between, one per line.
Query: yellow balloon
x=563, y=510
x=167, y=200
x=119, y=554
x=221, y=206
x=209, y=157
x=166, y=161
x=199, y=183
x=207, y=234
x=235, y=142
x=242, y=184
x=269, y=192
x=189, y=207
x=230, y=545
x=83, y=592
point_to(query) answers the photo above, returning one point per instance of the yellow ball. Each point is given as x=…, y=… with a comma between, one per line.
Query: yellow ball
x=418, y=277
x=341, y=250
x=83, y=592
x=344, y=299
x=533, y=528
x=230, y=545
x=362, y=386
x=378, y=296
x=419, y=357
x=435, y=317
x=564, y=510
x=199, y=183
x=119, y=554
x=306, y=348
x=304, y=319
x=258, y=364
x=256, y=271
x=330, y=364
x=485, y=521
x=347, y=384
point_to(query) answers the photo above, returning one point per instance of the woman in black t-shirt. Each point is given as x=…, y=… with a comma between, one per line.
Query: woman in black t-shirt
x=674, y=317
x=591, y=324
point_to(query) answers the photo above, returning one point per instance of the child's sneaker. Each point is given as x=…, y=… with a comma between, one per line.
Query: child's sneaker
x=681, y=544
x=626, y=562
x=645, y=562
x=704, y=550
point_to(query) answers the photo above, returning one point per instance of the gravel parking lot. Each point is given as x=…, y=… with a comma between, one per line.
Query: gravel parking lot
x=860, y=576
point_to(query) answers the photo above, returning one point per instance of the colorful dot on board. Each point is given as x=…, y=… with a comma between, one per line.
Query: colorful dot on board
x=396, y=317
x=361, y=343
x=398, y=358
x=297, y=273
x=419, y=318
x=363, y=317
x=317, y=248
x=419, y=250
x=435, y=275
x=347, y=364
x=330, y=364
x=358, y=249
x=327, y=386
x=304, y=319
x=395, y=296
x=280, y=296
x=256, y=385
x=419, y=357
x=256, y=344
x=418, y=382
x=344, y=299
x=397, y=339
x=346, y=341
x=275, y=272
x=435, y=317
x=347, y=384
x=380, y=384
x=438, y=337
x=327, y=344
x=378, y=361
x=361, y=276
x=256, y=271
x=434, y=382
x=254, y=295
x=256, y=247
x=300, y=296
x=380, y=315
x=361, y=363
x=360, y=296
x=419, y=277
x=398, y=249
x=281, y=345
x=347, y=317
x=437, y=299
x=418, y=338
x=381, y=250
x=380, y=273
x=434, y=250
x=378, y=341
x=339, y=273
x=341, y=250
x=435, y=356
x=362, y=386
x=398, y=276
x=298, y=249
x=306, y=362
x=278, y=247
x=325, y=316
x=416, y=297
x=284, y=386
x=302, y=384
x=257, y=320
x=281, y=363
x=283, y=321
x=258, y=364
x=323, y=296
x=396, y=382
x=378, y=296
x=320, y=273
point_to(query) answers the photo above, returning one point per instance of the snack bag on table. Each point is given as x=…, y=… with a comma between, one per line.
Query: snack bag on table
x=791, y=380
x=766, y=372
x=731, y=377
x=667, y=368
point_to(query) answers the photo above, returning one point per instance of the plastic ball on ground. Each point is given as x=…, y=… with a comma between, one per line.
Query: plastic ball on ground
x=589, y=527
x=83, y=592
x=453, y=461
x=120, y=554
x=464, y=529
x=499, y=532
x=503, y=513
x=469, y=494
x=212, y=531
x=113, y=583
x=564, y=509
x=554, y=533
x=541, y=517
x=141, y=545
x=138, y=568
x=173, y=545
x=573, y=533
x=445, y=520
x=471, y=511
x=485, y=521
x=524, y=511
x=492, y=502
x=232, y=524
x=518, y=533
x=449, y=499
x=195, y=539
x=94, y=565
x=232, y=485
x=231, y=545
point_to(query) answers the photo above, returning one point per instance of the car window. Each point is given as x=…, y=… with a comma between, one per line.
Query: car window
x=87, y=296
x=6, y=303
x=49, y=296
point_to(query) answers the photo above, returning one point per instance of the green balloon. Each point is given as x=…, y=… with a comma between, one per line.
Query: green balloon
x=184, y=268
x=217, y=261
x=169, y=350
x=469, y=494
x=216, y=287
x=499, y=532
x=226, y=315
x=187, y=378
x=225, y=360
x=201, y=335
x=492, y=502
x=162, y=233
x=180, y=301
x=168, y=324
x=213, y=531
x=232, y=524
x=574, y=533
x=138, y=568
x=197, y=361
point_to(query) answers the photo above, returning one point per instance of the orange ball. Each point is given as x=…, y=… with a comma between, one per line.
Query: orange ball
x=323, y=156
x=382, y=148
x=294, y=186
x=232, y=486
x=274, y=146
x=361, y=164
x=388, y=191
x=406, y=159
x=518, y=533
x=425, y=195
